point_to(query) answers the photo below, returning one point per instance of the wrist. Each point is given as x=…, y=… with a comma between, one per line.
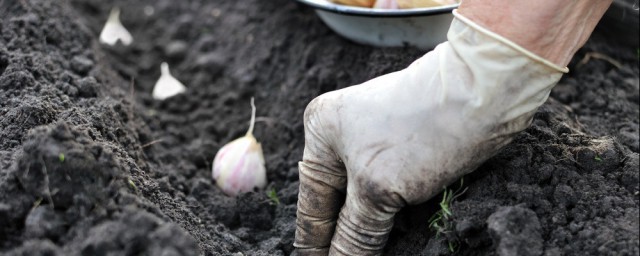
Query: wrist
x=507, y=42
x=551, y=29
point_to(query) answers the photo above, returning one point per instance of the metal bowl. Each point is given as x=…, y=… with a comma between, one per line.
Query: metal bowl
x=420, y=27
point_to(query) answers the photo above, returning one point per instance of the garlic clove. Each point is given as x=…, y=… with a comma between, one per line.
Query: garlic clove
x=113, y=30
x=167, y=86
x=360, y=3
x=238, y=167
x=386, y=4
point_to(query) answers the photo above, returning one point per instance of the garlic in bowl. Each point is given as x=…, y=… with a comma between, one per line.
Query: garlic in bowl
x=396, y=4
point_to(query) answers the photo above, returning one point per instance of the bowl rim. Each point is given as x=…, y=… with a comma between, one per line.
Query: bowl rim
x=371, y=12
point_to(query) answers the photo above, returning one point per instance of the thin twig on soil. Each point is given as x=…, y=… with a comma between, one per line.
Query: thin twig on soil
x=600, y=56
x=46, y=183
x=132, y=95
x=151, y=143
x=36, y=203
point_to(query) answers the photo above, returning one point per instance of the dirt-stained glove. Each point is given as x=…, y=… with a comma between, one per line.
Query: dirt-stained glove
x=401, y=138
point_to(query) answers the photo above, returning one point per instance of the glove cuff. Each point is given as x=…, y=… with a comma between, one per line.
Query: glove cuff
x=509, y=43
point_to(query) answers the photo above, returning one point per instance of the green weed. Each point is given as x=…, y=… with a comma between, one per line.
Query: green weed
x=442, y=221
x=132, y=185
x=597, y=158
x=273, y=195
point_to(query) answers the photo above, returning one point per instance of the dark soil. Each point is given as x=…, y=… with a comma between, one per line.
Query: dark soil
x=91, y=165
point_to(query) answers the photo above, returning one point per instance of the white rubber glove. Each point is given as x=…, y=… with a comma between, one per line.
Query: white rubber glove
x=401, y=138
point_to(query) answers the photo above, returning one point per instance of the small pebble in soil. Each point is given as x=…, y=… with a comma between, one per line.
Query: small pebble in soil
x=176, y=50
x=87, y=87
x=213, y=63
x=43, y=221
x=81, y=65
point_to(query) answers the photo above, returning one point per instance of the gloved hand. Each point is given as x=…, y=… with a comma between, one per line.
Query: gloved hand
x=399, y=139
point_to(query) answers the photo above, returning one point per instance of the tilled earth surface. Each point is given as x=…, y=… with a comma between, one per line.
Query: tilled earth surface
x=90, y=164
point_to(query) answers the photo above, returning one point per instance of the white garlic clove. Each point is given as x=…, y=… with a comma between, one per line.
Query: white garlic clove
x=113, y=30
x=386, y=4
x=239, y=167
x=167, y=86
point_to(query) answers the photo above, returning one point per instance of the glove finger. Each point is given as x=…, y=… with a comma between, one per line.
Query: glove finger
x=323, y=179
x=319, y=200
x=363, y=228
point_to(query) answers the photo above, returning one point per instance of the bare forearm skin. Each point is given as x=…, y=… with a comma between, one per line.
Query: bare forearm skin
x=552, y=29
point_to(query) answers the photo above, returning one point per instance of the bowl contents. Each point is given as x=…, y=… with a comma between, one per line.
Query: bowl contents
x=396, y=4
x=361, y=3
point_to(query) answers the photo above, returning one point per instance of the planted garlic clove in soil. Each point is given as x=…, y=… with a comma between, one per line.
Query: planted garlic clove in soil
x=113, y=30
x=239, y=165
x=167, y=86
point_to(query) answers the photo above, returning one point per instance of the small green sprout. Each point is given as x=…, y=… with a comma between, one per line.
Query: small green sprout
x=61, y=157
x=273, y=196
x=132, y=185
x=453, y=246
x=441, y=222
x=597, y=158
x=37, y=202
